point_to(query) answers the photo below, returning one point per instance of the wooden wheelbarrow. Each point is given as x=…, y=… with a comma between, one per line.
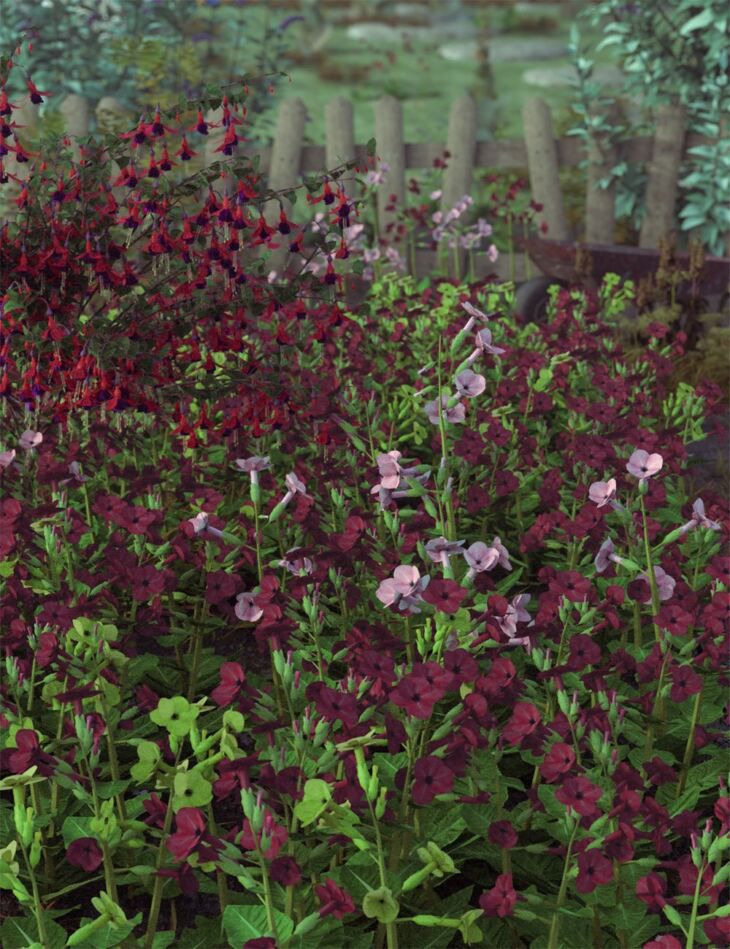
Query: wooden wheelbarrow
x=558, y=263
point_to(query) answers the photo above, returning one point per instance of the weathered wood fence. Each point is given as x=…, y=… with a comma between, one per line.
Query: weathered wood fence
x=539, y=152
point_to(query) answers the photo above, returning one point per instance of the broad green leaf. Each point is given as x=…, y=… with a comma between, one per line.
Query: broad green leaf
x=18, y=932
x=75, y=827
x=242, y=923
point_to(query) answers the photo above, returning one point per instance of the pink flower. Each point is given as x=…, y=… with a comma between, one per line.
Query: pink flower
x=253, y=465
x=455, y=414
x=474, y=315
x=7, y=458
x=480, y=558
x=407, y=580
x=601, y=492
x=470, y=384
x=503, y=553
x=30, y=440
x=390, y=470
x=492, y=253
x=501, y=899
x=483, y=342
x=665, y=584
x=200, y=525
x=642, y=465
x=299, y=566
x=246, y=609
x=439, y=549
x=698, y=518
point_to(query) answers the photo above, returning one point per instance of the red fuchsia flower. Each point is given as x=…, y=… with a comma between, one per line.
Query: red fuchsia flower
x=501, y=899
x=232, y=679
x=642, y=465
x=246, y=609
x=28, y=753
x=557, y=762
x=416, y=696
x=665, y=941
x=190, y=837
x=502, y=834
x=445, y=595
x=285, y=870
x=470, y=384
x=523, y=722
x=593, y=870
x=335, y=901
x=456, y=414
x=580, y=794
x=85, y=852
x=430, y=777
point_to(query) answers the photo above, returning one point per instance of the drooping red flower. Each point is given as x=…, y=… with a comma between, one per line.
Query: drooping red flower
x=430, y=777
x=85, y=852
x=335, y=901
x=524, y=720
x=232, y=679
x=501, y=899
x=593, y=870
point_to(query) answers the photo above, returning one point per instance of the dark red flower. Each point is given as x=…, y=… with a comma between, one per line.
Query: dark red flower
x=445, y=595
x=558, y=761
x=583, y=652
x=572, y=585
x=232, y=678
x=665, y=941
x=85, y=852
x=502, y=834
x=415, y=696
x=335, y=901
x=652, y=890
x=430, y=777
x=184, y=876
x=593, y=870
x=501, y=899
x=525, y=719
x=580, y=794
x=28, y=753
x=333, y=704
x=285, y=870
x=190, y=836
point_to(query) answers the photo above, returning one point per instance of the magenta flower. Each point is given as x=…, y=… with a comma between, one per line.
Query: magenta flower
x=642, y=465
x=470, y=384
x=455, y=414
x=601, y=492
x=430, y=777
x=593, y=870
x=580, y=794
x=524, y=720
x=246, y=609
x=557, y=762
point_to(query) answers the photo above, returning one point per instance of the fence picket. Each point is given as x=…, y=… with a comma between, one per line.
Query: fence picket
x=542, y=161
x=391, y=149
x=661, y=189
x=600, y=214
x=284, y=170
x=340, y=138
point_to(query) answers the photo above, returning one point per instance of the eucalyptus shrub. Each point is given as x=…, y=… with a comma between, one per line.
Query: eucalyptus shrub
x=670, y=51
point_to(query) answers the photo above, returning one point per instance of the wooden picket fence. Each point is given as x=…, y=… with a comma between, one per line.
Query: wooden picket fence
x=539, y=152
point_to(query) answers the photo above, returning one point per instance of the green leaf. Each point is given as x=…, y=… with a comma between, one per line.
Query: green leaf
x=75, y=827
x=18, y=932
x=370, y=147
x=164, y=939
x=242, y=923
x=699, y=22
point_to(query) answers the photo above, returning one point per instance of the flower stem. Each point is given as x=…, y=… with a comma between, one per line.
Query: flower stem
x=690, y=746
x=695, y=907
x=159, y=881
x=554, y=925
x=650, y=567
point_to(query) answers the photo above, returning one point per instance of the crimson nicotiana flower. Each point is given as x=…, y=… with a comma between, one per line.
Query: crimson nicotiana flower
x=500, y=901
x=431, y=776
x=502, y=834
x=445, y=595
x=642, y=465
x=580, y=794
x=85, y=852
x=232, y=679
x=524, y=720
x=335, y=901
x=190, y=837
x=416, y=696
x=593, y=870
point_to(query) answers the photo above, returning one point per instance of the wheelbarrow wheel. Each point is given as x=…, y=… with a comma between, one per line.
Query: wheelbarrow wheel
x=531, y=299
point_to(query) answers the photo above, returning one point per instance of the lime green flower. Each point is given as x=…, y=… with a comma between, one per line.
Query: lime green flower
x=191, y=789
x=381, y=905
x=176, y=715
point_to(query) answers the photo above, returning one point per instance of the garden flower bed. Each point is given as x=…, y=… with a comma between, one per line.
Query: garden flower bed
x=391, y=626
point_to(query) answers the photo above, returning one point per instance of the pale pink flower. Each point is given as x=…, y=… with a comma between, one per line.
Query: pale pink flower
x=503, y=553
x=700, y=518
x=390, y=470
x=7, y=458
x=403, y=589
x=439, y=549
x=470, y=384
x=246, y=609
x=435, y=195
x=665, y=584
x=293, y=486
x=407, y=579
x=201, y=526
x=606, y=555
x=30, y=440
x=483, y=340
x=642, y=465
x=253, y=465
x=480, y=558
x=455, y=414
x=601, y=492
x=299, y=566
x=387, y=593
x=492, y=253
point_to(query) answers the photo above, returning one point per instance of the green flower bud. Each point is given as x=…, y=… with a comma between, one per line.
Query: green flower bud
x=381, y=803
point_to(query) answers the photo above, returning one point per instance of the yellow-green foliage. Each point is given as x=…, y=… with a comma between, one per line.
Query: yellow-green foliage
x=151, y=60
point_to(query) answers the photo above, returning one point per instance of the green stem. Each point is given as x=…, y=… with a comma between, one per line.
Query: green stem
x=554, y=925
x=37, y=908
x=159, y=881
x=655, y=602
x=695, y=907
x=690, y=746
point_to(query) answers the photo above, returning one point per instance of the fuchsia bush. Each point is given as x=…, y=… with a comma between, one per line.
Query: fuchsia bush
x=328, y=628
